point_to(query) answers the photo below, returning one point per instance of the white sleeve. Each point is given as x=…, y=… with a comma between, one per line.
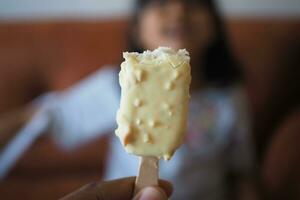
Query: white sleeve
x=86, y=110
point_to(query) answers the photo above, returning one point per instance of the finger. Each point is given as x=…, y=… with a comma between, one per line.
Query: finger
x=112, y=190
x=166, y=186
x=151, y=193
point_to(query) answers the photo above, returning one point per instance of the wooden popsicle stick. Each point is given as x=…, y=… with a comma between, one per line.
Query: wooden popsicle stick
x=147, y=174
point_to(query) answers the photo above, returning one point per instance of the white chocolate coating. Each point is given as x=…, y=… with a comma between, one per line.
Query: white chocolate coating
x=154, y=101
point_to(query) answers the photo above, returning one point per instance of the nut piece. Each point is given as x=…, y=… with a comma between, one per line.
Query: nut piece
x=138, y=121
x=152, y=123
x=175, y=75
x=146, y=138
x=169, y=85
x=137, y=102
x=126, y=135
x=139, y=74
x=166, y=106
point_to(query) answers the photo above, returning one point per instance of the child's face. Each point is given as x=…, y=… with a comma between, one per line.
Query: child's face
x=177, y=24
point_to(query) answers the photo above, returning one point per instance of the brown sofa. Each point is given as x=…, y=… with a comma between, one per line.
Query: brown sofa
x=281, y=165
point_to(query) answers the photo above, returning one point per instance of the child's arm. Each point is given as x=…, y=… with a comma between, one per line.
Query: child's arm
x=86, y=110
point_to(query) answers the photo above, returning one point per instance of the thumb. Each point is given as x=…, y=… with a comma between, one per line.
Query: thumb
x=151, y=193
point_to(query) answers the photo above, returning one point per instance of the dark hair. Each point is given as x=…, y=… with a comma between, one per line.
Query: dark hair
x=219, y=66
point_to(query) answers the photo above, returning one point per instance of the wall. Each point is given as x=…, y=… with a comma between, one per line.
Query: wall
x=103, y=9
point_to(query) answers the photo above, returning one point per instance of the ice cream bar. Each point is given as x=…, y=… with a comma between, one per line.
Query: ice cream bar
x=154, y=101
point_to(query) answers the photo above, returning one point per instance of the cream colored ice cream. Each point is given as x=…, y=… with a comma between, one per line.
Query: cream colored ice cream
x=154, y=101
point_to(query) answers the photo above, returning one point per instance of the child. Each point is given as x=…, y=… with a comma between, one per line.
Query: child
x=217, y=144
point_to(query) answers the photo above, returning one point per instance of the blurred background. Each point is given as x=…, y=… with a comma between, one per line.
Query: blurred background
x=51, y=44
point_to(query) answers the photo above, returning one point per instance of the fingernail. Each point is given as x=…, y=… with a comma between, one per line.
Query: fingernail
x=151, y=193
